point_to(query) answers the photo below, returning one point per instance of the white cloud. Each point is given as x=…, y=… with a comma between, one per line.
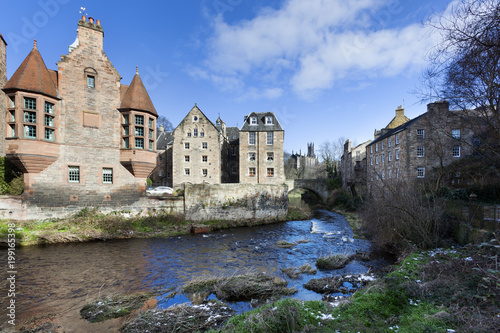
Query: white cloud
x=309, y=45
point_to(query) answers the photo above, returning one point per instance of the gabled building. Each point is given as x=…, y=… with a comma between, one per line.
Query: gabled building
x=261, y=149
x=196, y=152
x=420, y=148
x=80, y=137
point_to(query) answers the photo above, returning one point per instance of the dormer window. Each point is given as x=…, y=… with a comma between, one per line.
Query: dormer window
x=253, y=120
x=269, y=120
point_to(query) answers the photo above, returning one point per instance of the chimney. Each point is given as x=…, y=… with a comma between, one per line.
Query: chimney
x=400, y=111
x=91, y=20
x=438, y=106
x=245, y=118
x=84, y=18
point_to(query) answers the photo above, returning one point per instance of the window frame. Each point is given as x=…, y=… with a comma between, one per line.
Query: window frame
x=251, y=138
x=270, y=172
x=107, y=175
x=252, y=156
x=270, y=138
x=456, y=151
x=420, y=172
x=251, y=172
x=420, y=151
x=74, y=174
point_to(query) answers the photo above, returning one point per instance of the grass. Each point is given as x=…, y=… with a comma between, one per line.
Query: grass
x=181, y=319
x=333, y=261
x=113, y=306
x=294, y=273
x=241, y=287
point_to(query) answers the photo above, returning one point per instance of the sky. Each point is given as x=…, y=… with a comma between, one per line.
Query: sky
x=327, y=68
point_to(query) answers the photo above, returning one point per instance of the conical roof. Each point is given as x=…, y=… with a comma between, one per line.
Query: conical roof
x=137, y=98
x=33, y=76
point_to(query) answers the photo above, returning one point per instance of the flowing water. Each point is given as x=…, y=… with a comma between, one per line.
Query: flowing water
x=61, y=278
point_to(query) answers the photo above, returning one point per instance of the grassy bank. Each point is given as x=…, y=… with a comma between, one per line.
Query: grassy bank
x=90, y=224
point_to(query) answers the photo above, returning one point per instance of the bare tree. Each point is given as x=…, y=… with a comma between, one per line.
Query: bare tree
x=331, y=153
x=167, y=125
x=465, y=67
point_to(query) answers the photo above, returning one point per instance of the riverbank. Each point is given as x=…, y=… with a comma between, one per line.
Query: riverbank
x=91, y=225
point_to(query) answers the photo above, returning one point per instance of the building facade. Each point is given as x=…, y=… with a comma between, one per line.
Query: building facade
x=353, y=166
x=79, y=136
x=261, y=150
x=196, y=153
x=419, y=149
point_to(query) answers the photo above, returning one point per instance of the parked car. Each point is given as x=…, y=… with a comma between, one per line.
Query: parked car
x=160, y=190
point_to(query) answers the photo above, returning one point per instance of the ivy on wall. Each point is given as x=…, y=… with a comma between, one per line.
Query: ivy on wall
x=11, y=179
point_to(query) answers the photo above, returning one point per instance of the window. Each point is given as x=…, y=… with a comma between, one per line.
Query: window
x=125, y=130
x=253, y=120
x=195, y=132
x=376, y=147
x=270, y=138
x=397, y=173
x=397, y=154
x=389, y=173
x=187, y=172
x=371, y=149
x=186, y=158
x=371, y=160
x=12, y=101
x=195, y=118
x=204, y=158
x=139, y=143
x=151, y=144
x=107, y=175
x=204, y=145
x=420, y=151
x=151, y=134
x=29, y=103
x=29, y=117
x=139, y=120
x=389, y=157
x=269, y=120
x=49, y=108
x=139, y=131
x=397, y=139
x=420, y=172
x=204, y=172
x=270, y=156
x=455, y=134
x=125, y=119
x=456, y=151
x=151, y=122
x=186, y=145
x=202, y=134
x=376, y=159
x=90, y=81
x=270, y=172
x=420, y=134
x=29, y=131
x=358, y=156
x=12, y=131
x=251, y=172
x=383, y=158
x=389, y=142
x=126, y=143
x=74, y=174
x=49, y=121
x=188, y=134
x=251, y=138
x=251, y=157
x=49, y=134
x=383, y=174
x=13, y=115
x=382, y=145
x=233, y=150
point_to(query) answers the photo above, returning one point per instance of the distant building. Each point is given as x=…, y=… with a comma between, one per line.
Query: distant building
x=353, y=166
x=261, y=149
x=79, y=136
x=162, y=174
x=303, y=166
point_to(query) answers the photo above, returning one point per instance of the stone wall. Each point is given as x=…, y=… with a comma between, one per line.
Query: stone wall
x=235, y=202
x=3, y=98
x=201, y=202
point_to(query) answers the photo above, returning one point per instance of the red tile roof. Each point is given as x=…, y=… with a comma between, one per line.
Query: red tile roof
x=33, y=76
x=137, y=98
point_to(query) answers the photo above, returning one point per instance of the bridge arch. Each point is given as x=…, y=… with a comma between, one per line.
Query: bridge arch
x=317, y=186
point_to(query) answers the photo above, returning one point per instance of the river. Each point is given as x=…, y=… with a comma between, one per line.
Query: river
x=60, y=279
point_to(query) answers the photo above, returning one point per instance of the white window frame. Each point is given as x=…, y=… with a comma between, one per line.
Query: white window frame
x=107, y=175
x=269, y=120
x=455, y=133
x=252, y=156
x=420, y=172
x=270, y=138
x=251, y=138
x=253, y=121
x=456, y=151
x=420, y=151
x=73, y=174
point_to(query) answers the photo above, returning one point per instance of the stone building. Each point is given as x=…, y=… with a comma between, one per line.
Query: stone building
x=353, y=166
x=80, y=137
x=3, y=81
x=261, y=149
x=303, y=166
x=420, y=148
x=196, y=152
x=162, y=174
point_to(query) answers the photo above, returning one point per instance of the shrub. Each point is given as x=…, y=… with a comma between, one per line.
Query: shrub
x=348, y=202
x=401, y=216
x=11, y=179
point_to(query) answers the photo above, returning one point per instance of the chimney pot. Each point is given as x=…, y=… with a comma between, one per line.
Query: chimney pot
x=98, y=22
x=91, y=19
x=84, y=18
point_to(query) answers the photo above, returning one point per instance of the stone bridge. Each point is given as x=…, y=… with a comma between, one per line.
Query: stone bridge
x=317, y=186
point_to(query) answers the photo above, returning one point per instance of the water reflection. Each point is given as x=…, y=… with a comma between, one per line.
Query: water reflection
x=61, y=278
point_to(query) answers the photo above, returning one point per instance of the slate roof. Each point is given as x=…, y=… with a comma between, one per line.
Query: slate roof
x=397, y=129
x=33, y=76
x=137, y=98
x=261, y=123
x=233, y=135
x=164, y=139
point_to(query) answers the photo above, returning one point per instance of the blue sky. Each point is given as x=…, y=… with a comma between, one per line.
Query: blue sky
x=328, y=69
